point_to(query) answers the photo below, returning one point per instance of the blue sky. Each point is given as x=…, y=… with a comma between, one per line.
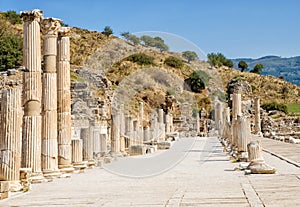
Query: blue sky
x=236, y=28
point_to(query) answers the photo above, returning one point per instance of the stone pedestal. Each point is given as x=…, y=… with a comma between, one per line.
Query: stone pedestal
x=64, y=99
x=10, y=142
x=197, y=124
x=49, y=29
x=257, y=164
x=31, y=130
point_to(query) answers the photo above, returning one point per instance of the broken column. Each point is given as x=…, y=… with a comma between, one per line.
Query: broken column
x=257, y=121
x=257, y=164
x=10, y=142
x=162, y=131
x=77, y=160
x=87, y=145
x=64, y=100
x=115, y=133
x=31, y=130
x=243, y=134
x=236, y=110
x=141, y=122
x=49, y=28
x=197, y=124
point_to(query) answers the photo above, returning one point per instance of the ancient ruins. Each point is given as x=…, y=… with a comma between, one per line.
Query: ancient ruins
x=49, y=132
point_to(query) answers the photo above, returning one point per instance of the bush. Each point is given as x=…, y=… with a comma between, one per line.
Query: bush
x=107, y=31
x=198, y=80
x=174, y=62
x=10, y=51
x=275, y=106
x=141, y=59
x=13, y=17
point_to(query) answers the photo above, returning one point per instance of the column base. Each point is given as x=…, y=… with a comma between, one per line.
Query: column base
x=37, y=177
x=10, y=186
x=91, y=163
x=50, y=174
x=66, y=168
x=80, y=165
x=261, y=168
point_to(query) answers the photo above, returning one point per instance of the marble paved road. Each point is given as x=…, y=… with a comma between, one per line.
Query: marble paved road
x=204, y=177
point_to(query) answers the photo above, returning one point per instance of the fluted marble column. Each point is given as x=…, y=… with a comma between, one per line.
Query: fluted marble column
x=31, y=132
x=257, y=120
x=64, y=99
x=244, y=133
x=49, y=28
x=236, y=105
x=77, y=151
x=10, y=142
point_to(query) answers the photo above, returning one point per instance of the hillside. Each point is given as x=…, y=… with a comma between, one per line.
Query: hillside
x=102, y=61
x=276, y=66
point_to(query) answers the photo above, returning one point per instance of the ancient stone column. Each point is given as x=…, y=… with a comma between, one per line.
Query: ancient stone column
x=147, y=134
x=115, y=133
x=255, y=151
x=160, y=116
x=87, y=144
x=257, y=164
x=141, y=122
x=49, y=29
x=162, y=131
x=31, y=129
x=64, y=100
x=167, y=125
x=219, y=115
x=257, y=120
x=244, y=133
x=197, y=123
x=103, y=144
x=236, y=105
x=77, y=151
x=10, y=142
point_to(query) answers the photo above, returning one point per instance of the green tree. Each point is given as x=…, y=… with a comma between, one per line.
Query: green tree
x=190, y=55
x=13, y=17
x=257, y=68
x=156, y=42
x=197, y=81
x=242, y=65
x=131, y=38
x=217, y=59
x=10, y=48
x=10, y=51
x=228, y=63
x=107, y=31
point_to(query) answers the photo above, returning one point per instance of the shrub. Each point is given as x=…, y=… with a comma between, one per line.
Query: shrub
x=13, y=17
x=275, y=106
x=198, y=80
x=174, y=62
x=10, y=51
x=141, y=59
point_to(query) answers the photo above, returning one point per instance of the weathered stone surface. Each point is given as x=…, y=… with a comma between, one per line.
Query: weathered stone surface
x=64, y=98
x=10, y=142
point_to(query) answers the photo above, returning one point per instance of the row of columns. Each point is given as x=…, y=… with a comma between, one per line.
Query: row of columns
x=127, y=131
x=46, y=124
x=236, y=134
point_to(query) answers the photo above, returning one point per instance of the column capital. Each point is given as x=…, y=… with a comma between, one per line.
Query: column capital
x=32, y=15
x=64, y=31
x=50, y=26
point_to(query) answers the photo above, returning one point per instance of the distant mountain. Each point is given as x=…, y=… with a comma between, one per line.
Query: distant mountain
x=276, y=66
